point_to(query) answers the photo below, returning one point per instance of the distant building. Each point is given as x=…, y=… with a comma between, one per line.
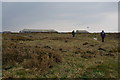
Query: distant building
x=38, y=30
x=64, y=32
x=81, y=31
x=6, y=32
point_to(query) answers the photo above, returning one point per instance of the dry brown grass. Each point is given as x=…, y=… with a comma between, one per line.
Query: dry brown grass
x=29, y=57
x=42, y=55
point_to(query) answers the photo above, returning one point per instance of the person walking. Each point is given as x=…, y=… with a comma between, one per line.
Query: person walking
x=73, y=33
x=102, y=35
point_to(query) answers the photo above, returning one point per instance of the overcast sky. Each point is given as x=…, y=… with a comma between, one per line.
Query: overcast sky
x=61, y=16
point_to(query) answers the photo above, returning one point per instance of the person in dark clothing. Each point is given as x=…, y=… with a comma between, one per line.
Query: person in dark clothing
x=102, y=35
x=73, y=33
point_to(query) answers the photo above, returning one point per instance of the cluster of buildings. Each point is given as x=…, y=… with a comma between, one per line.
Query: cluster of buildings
x=48, y=31
x=44, y=31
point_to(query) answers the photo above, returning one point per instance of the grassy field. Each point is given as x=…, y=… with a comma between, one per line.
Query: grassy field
x=0, y=56
x=53, y=55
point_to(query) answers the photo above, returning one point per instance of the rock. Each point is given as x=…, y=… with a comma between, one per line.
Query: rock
x=95, y=38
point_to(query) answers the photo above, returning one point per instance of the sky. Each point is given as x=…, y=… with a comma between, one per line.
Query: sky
x=61, y=16
x=118, y=16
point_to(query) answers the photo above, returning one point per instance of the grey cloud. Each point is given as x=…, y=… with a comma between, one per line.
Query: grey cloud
x=56, y=15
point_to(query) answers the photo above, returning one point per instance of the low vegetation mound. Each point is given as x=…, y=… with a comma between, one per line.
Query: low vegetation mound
x=29, y=57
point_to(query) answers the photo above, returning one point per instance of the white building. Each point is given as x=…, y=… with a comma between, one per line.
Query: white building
x=37, y=30
x=81, y=31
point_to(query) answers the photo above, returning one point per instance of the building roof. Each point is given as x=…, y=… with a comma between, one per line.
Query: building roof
x=82, y=31
x=38, y=30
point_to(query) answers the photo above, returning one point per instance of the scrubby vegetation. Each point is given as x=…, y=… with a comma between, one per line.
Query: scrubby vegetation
x=53, y=55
